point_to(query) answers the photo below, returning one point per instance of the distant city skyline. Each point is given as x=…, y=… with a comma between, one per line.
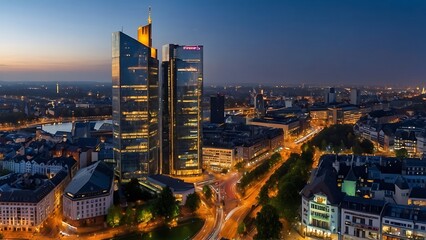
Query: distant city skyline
x=278, y=42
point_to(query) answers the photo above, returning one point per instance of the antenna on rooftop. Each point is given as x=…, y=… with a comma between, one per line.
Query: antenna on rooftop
x=149, y=15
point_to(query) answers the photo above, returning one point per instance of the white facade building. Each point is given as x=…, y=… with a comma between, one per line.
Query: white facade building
x=89, y=195
x=26, y=209
x=360, y=218
x=43, y=166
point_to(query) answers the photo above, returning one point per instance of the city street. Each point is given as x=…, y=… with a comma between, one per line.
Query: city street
x=229, y=229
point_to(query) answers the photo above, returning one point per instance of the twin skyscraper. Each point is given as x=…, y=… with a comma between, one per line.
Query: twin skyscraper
x=156, y=120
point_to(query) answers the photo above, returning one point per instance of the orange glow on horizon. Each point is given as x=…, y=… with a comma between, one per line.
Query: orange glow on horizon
x=48, y=66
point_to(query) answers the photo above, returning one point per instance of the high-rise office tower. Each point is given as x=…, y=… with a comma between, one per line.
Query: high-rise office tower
x=355, y=96
x=217, y=109
x=135, y=104
x=182, y=86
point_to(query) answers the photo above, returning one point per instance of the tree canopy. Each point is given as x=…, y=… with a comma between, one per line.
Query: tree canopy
x=338, y=138
x=268, y=224
x=193, y=201
x=144, y=214
x=207, y=191
x=165, y=204
x=288, y=179
x=114, y=216
x=134, y=192
x=259, y=171
x=401, y=153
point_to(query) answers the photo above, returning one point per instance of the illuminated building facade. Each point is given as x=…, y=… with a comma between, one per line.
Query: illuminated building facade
x=218, y=158
x=25, y=206
x=135, y=104
x=182, y=72
x=89, y=195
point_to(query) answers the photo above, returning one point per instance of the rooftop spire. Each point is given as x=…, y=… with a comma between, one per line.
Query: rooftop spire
x=149, y=15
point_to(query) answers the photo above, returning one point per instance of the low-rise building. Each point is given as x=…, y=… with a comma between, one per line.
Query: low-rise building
x=218, y=158
x=320, y=205
x=421, y=143
x=319, y=116
x=40, y=165
x=226, y=144
x=406, y=138
x=180, y=188
x=403, y=222
x=291, y=126
x=360, y=218
x=417, y=197
x=374, y=198
x=89, y=195
x=27, y=200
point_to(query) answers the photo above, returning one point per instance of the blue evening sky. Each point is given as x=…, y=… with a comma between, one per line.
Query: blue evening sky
x=277, y=42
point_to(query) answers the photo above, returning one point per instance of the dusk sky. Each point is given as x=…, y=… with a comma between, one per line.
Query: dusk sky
x=269, y=42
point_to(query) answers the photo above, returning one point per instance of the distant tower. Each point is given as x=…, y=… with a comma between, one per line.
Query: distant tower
x=354, y=96
x=217, y=109
x=259, y=106
x=423, y=91
x=57, y=88
x=330, y=95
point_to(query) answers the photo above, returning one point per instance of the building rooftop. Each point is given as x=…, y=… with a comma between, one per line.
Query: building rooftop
x=67, y=162
x=381, y=113
x=325, y=182
x=412, y=213
x=277, y=120
x=28, y=188
x=418, y=193
x=93, y=180
x=177, y=185
x=229, y=135
x=414, y=162
x=361, y=204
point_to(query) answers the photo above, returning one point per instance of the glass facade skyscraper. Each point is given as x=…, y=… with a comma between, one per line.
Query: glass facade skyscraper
x=135, y=104
x=182, y=86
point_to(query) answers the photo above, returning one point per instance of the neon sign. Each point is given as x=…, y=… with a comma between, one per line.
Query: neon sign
x=191, y=48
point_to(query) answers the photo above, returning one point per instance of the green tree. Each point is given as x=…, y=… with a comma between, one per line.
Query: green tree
x=357, y=149
x=268, y=223
x=165, y=203
x=239, y=166
x=401, y=153
x=175, y=211
x=134, y=192
x=207, y=191
x=4, y=172
x=323, y=146
x=193, y=201
x=114, y=216
x=129, y=216
x=263, y=197
x=367, y=146
x=144, y=214
x=241, y=228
